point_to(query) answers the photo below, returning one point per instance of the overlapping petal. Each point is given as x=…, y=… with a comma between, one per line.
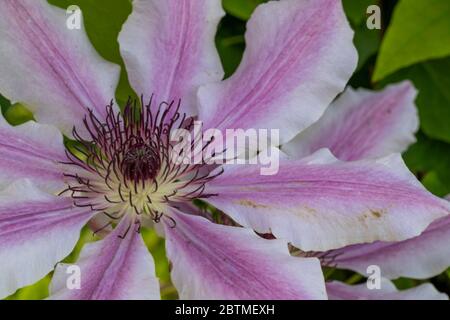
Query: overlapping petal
x=36, y=231
x=387, y=291
x=31, y=151
x=118, y=267
x=299, y=56
x=54, y=70
x=168, y=48
x=362, y=124
x=211, y=261
x=420, y=257
x=320, y=203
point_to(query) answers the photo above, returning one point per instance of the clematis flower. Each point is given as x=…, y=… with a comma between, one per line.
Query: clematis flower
x=299, y=57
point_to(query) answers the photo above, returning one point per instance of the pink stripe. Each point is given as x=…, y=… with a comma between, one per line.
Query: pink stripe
x=57, y=59
x=220, y=262
x=182, y=31
x=24, y=221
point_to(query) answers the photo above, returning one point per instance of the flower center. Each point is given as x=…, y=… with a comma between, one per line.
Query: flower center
x=125, y=164
x=141, y=162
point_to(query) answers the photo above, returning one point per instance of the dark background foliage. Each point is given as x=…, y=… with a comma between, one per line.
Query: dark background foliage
x=413, y=43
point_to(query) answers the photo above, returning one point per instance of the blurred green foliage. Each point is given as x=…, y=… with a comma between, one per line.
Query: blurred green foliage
x=418, y=32
x=241, y=9
x=432, y=80
x=430, y=160
x=414, y=45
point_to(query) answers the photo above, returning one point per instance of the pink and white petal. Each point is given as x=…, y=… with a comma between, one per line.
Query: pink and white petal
x=321, y=203
x=119, y=267
x=55, y=71
x=36, y=231
x=387, y=291
x=363, y=124
x=168, y=48
x=299, y=56
x=99, y=225
x=211, y=261
x=31, y=151
x=420, y=257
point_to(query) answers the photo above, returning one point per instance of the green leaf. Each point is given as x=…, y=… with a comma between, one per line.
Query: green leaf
x=230, y=43
x=36, y=291
x=356, y=10
x=156, y=246
x=406, y=283
x=230, y=51
x=367, y=42
x=420, y=30
x=433, y=82
x=103, y=20
x=18, y=114
x=241, y=9
x=435, y=185
x=430, y=160
x=4, y=103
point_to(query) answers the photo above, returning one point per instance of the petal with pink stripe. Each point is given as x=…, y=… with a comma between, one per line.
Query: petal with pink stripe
x=212, y=261
x=55, y=71
x=420, y=257
x=31, y=151
x=299, y=56
x=119, y=267
x=387, y=291
x=36, y=231
x=168, y=48
x=321, y=203
x=363, y=124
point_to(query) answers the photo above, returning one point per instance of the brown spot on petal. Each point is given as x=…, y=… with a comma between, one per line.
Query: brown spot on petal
x=371, y=214
x=376, y=214
x=249, y=203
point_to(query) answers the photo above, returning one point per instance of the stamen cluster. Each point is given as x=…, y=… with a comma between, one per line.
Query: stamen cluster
x=127, y=163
